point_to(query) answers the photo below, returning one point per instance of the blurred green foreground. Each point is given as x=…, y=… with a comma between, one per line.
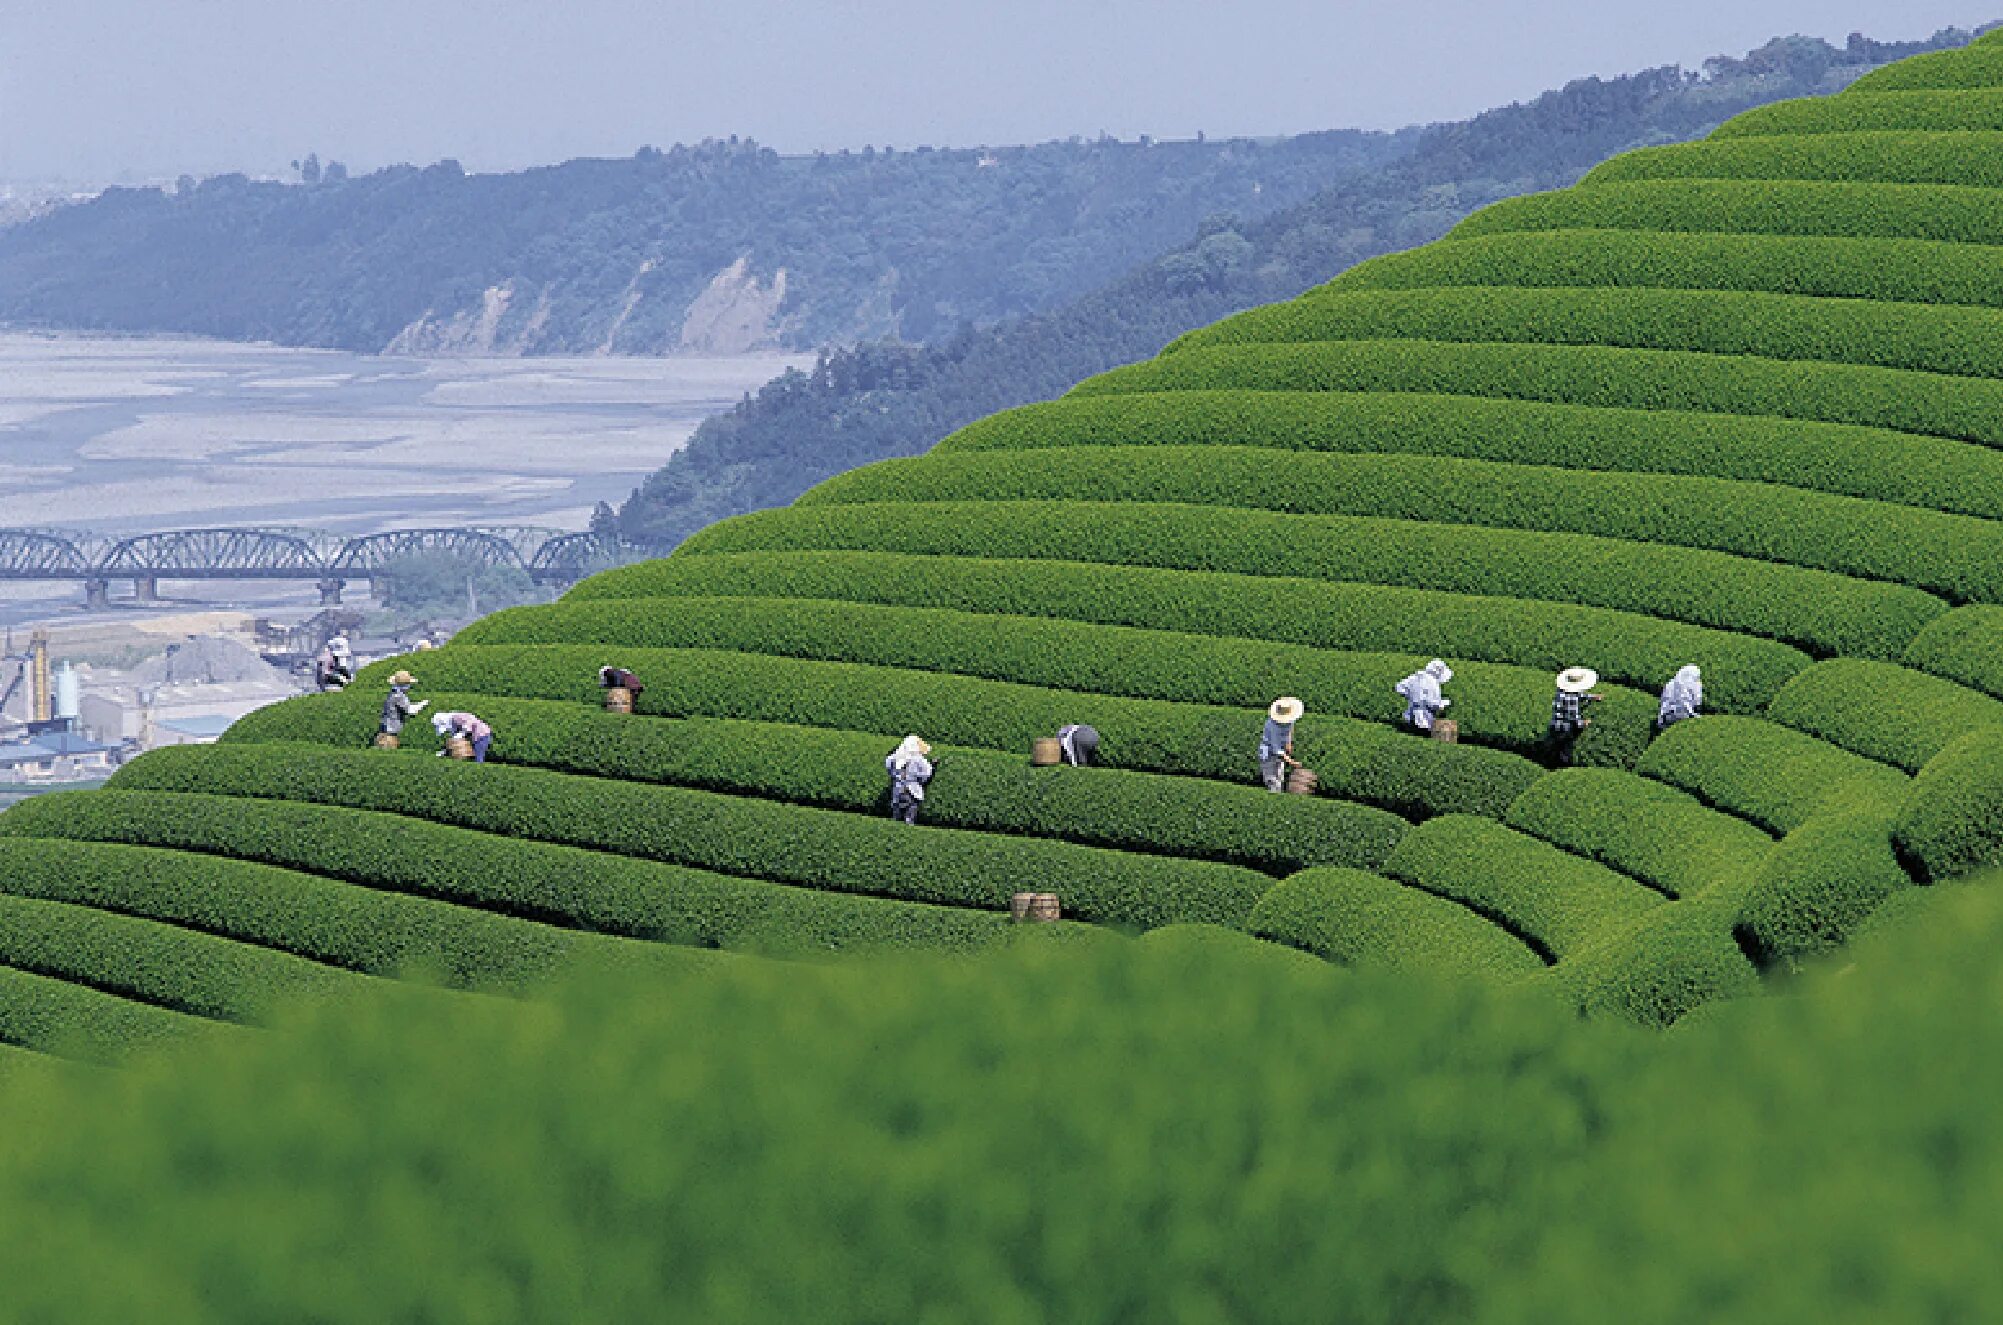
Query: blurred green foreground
x=1184, y=1129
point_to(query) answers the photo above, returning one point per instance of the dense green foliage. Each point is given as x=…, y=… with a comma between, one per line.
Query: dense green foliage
x=1891, y=714
x=1952, y=822
x=1908, y=157
x=1964, y=108
x=1771, y=775
x=1644, y=829
x=77, y=1020
x=1966, y=645
x=1821, y=883
x=1368, y=921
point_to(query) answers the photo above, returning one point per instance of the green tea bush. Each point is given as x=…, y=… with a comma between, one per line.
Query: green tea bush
x=734, y=835
x=1824, y=613
x=1968, y=408
x=1365, y=920
x=1966, y=645
x=81, y=1022
x=165, y=965
x=1821, y=883
x=1777, y=207
x=1877, y=463
x=1644, y=829
x=533, y=880
x=1557, y=902
x=1979, y=108
x=1358, y=761
x=1774, y=776
x=1626, y=648
x=1906, y=157
x=1904, y=270
x=1957, y=556
x=1673, y=960
x=1499, y=706
x=377, y=933
x=1927, y=338
x=1888, y=713
x=1952, y=822
x=840, y=770
x=1979, y=65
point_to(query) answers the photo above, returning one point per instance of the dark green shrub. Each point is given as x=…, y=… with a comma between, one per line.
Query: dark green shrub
x=1558, y=902
x=1823, y=612
x=1672, y=961
x=1821, y=883
x=1966, y=645
x=1977, y=108
x=1958, y=556
x=1644, y=829
x=733, y=835
x=1968, y=408
x=1892, y=714
x=1952, y=822
x=78, y=1021
x=1904, y=157
x=1361, y=919
x=534, y=880
x=1626, y=648
x=1927, y=338
x=1774, y=776
x=1979, y=65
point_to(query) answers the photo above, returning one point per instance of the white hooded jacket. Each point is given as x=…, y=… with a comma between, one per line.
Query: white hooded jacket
x=909, y=769
x=1682, y=697
x=1421, y=691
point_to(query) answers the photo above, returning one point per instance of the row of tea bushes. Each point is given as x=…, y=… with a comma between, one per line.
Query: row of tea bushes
x=1366, y=920
x=1768, y=774
x=1645, y=829
x=1888, y=713
x=1961, y=158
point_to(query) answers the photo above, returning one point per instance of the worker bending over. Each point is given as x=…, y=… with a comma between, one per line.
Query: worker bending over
x=618, y=678
x=1276, y=744
x=335, y=666
x=1078, y=742
x=1681, y=698
x=1423, y=701
x=909, y=770
x=398, y=708
x=1568, y=710
x=466, y=726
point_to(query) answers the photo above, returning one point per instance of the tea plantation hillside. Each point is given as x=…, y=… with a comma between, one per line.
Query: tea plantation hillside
x=1736, y=403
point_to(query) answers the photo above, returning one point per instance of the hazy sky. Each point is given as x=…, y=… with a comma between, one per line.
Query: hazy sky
x=91, y=89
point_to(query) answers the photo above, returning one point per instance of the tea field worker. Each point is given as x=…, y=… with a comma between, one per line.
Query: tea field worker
x=1078, y=742
x=448, y=725
x=1681, y=698
x=910, y=769
x=1568, y=709
x=1423, y=700
x=618, y=678
x=335, y=666
x=1276, y=744
x=398, y=708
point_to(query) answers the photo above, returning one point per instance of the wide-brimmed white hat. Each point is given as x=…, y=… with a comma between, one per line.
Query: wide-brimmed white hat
x=402, y=679
x=1577, y=680
x=1286, y=709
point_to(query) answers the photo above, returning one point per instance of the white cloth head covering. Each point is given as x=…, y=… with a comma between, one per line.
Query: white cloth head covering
x=441, y=722
x=1439, y=671
x=909, y=749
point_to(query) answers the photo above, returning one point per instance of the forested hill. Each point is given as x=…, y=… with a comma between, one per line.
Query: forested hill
x=721, y=247
x=882, y=400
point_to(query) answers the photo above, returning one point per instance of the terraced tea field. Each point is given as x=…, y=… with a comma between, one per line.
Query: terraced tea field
x=1736, y=403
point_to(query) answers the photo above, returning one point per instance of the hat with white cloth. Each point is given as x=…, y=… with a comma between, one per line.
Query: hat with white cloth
x=1286, y=709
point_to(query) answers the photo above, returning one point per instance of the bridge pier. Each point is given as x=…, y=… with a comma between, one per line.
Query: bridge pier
x=330, y=592
x=97, y=593
x=146, y=588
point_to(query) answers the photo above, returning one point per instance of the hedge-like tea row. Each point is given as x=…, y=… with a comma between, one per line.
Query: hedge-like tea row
x=735, y=835
x=376, y=933
x=1877, y=463
x=1816, y=610
x=1774, y=776
x=1671, y=961
x=1644, y=829
x=1900, y=157
x=1557, y=902
x=1626, y=648
x=1903, y=270
x=1952, y=823
x=1977, y=65
x=1927, y=338
x=1958, y=556
x=1966, y=645
x=1959, y=407
x=536, y=880
x=1888, y=713
x=1940, y=212
x=980, y=789
x=1358, y=761
x=1969, y=109
x=1507, y=707
x=1823, y=881
x=169, y=967
x=1363, y=920
x=76, y=1021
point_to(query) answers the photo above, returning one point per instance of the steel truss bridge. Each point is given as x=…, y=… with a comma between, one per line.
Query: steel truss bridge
x=548, y=556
